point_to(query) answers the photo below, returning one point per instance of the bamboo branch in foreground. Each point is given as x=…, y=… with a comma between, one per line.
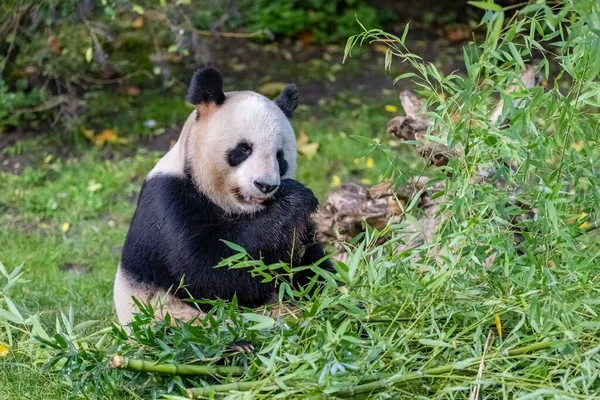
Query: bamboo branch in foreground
x=399, y=378
x=266, y=384
x=173, y=369
x=263, y=384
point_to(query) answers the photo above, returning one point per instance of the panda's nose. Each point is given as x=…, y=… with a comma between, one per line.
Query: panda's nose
x=265, y=187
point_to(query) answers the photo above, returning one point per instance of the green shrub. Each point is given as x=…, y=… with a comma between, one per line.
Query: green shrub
x=326, y=21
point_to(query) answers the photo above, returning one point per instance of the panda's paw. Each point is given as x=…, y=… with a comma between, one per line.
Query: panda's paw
x=241, y=346
x=298, y=195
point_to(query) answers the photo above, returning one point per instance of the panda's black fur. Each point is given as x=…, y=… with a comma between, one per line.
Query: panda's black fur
x=177, y=232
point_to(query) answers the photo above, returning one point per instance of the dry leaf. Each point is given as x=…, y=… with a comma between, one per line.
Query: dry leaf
x=306, y=37
x=89, y=133
x=498, y=325
x=137, y=23
x=271, y=89
x=107, y=136
x=3, y=350
x=132, y=91
x=94, y=187
x=336, y=181
x=458, y=33
x=309, y=150
x=54, y=45
x=88, y=55
x=581, y=218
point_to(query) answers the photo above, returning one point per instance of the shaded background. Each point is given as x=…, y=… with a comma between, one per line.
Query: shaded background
x=73, y=69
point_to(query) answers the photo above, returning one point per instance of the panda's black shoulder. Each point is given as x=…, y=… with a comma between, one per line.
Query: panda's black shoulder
x=169, y=209
x=173, y=196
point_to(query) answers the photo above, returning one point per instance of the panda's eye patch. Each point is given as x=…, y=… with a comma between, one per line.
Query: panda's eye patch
x=239, y=153
x=283, y=165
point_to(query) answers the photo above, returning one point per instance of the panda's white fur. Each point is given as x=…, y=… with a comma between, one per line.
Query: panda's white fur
x=198, y=157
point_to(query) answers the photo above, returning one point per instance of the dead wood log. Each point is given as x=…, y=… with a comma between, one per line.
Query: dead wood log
x=415, y=126
x=342, y=216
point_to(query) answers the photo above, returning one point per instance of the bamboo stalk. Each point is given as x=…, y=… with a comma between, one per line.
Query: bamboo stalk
x=139, y=365
x=399, y=378
x=195, y=393
x=266, y=384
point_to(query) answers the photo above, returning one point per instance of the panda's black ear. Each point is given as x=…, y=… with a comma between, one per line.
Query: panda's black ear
x=206, y=87
x=288, y=100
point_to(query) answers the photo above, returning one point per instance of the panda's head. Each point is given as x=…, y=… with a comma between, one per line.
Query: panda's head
x=241, y=144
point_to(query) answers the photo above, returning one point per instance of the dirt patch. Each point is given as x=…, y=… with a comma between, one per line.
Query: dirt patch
x=161, y=142
x=75, y=269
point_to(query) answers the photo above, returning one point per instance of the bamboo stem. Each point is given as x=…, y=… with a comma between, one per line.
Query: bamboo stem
x=399, y=378
x=172, y=369
x=195, y=393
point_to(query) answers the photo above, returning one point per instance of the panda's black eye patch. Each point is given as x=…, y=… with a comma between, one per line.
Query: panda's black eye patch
x=239, y=153
x=283, y=165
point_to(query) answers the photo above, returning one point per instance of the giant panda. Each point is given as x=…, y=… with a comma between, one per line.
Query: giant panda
x=229, y=177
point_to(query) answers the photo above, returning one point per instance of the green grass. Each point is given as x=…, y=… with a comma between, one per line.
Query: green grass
x=96, y=198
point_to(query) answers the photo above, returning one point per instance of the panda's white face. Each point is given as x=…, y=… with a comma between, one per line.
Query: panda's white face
x=240, y=151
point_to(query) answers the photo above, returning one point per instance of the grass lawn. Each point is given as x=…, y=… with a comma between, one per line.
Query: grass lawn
x=66, y=220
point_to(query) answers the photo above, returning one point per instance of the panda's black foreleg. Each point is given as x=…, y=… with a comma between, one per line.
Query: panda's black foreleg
x=271, y=235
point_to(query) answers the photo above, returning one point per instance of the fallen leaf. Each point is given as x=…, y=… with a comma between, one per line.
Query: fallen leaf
x=31, y=70
x=309, y=150
x=585, y=224
x=306, y=37
x=107, y=136
x=458, y=33
x=65, y=227
x=498, y=325
x=137, y=23
x=336, y=181
x=88, y=133
x=271, y=89
x=238, y=67
x=54, y=45
x=132, y=91
x=391, y=108
x=94, y=187
x=3, y=350
x=88, y=55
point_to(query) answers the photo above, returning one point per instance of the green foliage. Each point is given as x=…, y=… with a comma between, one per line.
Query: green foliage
x=326, y=21
x=57, y=51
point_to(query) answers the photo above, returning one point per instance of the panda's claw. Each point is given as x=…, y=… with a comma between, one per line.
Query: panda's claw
x=241, y=346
